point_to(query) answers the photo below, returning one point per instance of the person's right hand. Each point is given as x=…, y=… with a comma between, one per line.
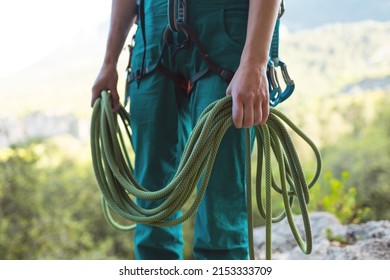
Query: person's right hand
x=107, y=79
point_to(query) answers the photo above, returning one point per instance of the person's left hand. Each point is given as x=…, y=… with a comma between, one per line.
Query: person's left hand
x=250, y=95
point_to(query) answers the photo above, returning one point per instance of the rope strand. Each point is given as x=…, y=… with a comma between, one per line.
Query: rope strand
x=118, y=187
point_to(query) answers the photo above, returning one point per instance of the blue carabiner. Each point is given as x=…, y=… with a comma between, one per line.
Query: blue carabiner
x=277, y=94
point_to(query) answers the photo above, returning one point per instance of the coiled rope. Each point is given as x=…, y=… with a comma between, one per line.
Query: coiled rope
x=114, y=172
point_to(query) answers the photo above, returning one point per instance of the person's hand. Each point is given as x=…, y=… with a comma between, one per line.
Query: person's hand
x=107, y=79
x=250, y=95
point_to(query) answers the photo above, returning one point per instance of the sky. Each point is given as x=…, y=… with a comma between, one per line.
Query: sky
x=31, y=29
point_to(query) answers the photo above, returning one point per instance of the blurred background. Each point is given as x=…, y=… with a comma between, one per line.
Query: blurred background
x=337, y=52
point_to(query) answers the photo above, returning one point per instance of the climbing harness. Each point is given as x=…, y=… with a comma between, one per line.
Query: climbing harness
x=113, y=167
x=176, y=14
x=177, y=22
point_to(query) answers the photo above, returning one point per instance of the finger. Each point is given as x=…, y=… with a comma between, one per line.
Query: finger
x=264, y=111
x=95, y=95
x=115, y=100
x=248, y=115
x=229, y=90
x=93, y=101
x=237, y=113
x=257, y=113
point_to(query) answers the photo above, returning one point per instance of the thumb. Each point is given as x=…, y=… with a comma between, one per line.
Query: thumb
x=229, y=90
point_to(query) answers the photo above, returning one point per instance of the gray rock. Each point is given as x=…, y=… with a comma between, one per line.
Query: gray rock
x=331, y=240
x=40, y=125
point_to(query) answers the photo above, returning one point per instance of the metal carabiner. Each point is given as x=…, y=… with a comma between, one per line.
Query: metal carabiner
x=286, y=76
x=277, y=94
x=282, y=9
x=290, y=85
x=273, y=84
x=272, y=76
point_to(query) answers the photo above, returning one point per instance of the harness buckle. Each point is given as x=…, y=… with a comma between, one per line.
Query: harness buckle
x=185, y=85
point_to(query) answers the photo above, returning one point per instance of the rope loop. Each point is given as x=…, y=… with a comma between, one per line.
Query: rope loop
x=114, y=171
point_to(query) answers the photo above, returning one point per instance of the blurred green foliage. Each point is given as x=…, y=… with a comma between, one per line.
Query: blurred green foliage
x=50, y=205
x=53, y=211
x=365, y=154
x=50, y=208
x=49, y=200
x=333, y=195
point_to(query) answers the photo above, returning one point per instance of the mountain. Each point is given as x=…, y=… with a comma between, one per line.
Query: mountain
x=326, y=51
x=62, y=81
x=59, y=83
x=307, y=14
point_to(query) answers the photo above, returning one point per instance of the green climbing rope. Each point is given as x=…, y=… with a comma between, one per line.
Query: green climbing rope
x=114, y=172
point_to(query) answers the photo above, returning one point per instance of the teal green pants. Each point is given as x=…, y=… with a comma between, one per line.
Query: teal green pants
x=162, y=117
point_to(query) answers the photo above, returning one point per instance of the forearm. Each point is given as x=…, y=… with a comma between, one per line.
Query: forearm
x=123, y=15
x=249, y=88
x=261, y=22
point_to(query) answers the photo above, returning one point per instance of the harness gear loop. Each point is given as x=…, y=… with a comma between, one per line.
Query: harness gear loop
x=128, y=68
x=277, y=94
x=177, y=13
x=143, y=32
x=114, y=172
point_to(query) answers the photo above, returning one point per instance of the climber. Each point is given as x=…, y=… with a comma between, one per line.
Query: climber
x=183, y=60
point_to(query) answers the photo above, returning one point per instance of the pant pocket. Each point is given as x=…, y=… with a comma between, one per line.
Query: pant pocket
x=233, y=25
